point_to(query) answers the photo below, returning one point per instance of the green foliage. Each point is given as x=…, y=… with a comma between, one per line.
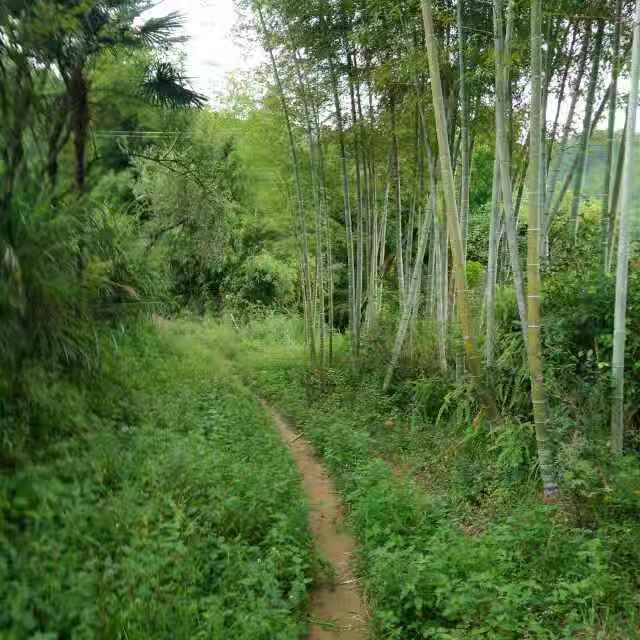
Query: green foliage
x=72, y=266
x=579, y=339
x=454, y=542
x=418, y=360
x=141, y=496
x=429, y=396
x=78, y=276
x=177, y=516
x=475, y=274
x=196, y=209
x=511, y=581
x=483, y=180
x=263, y=280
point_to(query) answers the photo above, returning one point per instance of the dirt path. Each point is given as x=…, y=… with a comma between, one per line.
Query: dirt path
x=337, y=611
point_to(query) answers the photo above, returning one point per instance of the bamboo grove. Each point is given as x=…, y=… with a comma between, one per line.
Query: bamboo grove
x=390, y=104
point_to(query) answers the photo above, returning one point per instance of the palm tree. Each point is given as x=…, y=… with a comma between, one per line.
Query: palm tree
x=92, y=28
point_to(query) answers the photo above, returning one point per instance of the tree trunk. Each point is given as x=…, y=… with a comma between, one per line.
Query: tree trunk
x=306, y=275
x=359, y=257
x=563, y=87
x=560, y=199
x=328, y=238
x=440, y=286
x=556, y=160
x=464, y=126
x=398, y=194
x=412, y=297
x=490, y=303
x=59, y=136
x=615, y=196
x=347, y=209
x=317, y=189
x=79, y=99
x=504, y=155
x=606, y=214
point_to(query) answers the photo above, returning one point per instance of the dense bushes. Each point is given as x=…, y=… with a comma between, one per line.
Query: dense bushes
x=139, y=497
x=71, y=266
x=176, y=513
x=77, y=273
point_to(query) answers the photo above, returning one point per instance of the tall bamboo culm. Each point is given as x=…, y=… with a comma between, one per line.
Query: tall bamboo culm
x=534, y=321
x=606, y=212
x=624, y=241
x=586, y=131
x=492, y=267
x=503, y=105
x=463, y=305
x=302, y=224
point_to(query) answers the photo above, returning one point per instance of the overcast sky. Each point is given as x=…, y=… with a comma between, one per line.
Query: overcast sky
x=212, y=51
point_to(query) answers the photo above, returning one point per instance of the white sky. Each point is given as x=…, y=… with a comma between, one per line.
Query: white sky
x=212, y=53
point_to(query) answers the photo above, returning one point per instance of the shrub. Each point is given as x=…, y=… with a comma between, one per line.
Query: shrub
x=71, y=279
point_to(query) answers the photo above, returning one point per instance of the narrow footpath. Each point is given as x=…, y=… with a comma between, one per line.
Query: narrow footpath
x=337, y=610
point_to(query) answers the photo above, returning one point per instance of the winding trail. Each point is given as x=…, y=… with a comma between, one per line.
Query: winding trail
x=337, y=610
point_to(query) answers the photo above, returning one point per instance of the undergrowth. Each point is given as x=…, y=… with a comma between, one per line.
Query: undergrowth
x=176, y=515
x=455, y=541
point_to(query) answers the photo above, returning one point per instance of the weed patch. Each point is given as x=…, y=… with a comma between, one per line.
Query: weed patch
x=186, y=523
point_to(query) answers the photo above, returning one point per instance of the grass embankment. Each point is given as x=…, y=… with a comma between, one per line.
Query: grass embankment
x=175, y=512
x=455, y=543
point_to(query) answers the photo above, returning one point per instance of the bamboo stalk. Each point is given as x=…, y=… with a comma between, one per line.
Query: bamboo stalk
x=490, y=304
x=534, y=319
x=624, y=241
x=606, y=213
x=556, y=160
x=504, y=156
x=309, y=321
x=465, y=180
x=586, y=133
x=347, y=210
x=455, y=237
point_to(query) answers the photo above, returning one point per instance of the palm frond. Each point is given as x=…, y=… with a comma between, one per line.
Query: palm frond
x=166, y=86
x=161, y=31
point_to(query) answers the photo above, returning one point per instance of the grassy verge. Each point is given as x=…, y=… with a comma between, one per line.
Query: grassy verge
x=455, y=543
x=179, y=517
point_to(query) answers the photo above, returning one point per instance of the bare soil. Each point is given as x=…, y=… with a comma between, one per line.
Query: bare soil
x=337, y=610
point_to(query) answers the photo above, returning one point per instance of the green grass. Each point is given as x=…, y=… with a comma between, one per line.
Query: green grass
x=177, y=513
x=455, y=542
x=180, y=518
